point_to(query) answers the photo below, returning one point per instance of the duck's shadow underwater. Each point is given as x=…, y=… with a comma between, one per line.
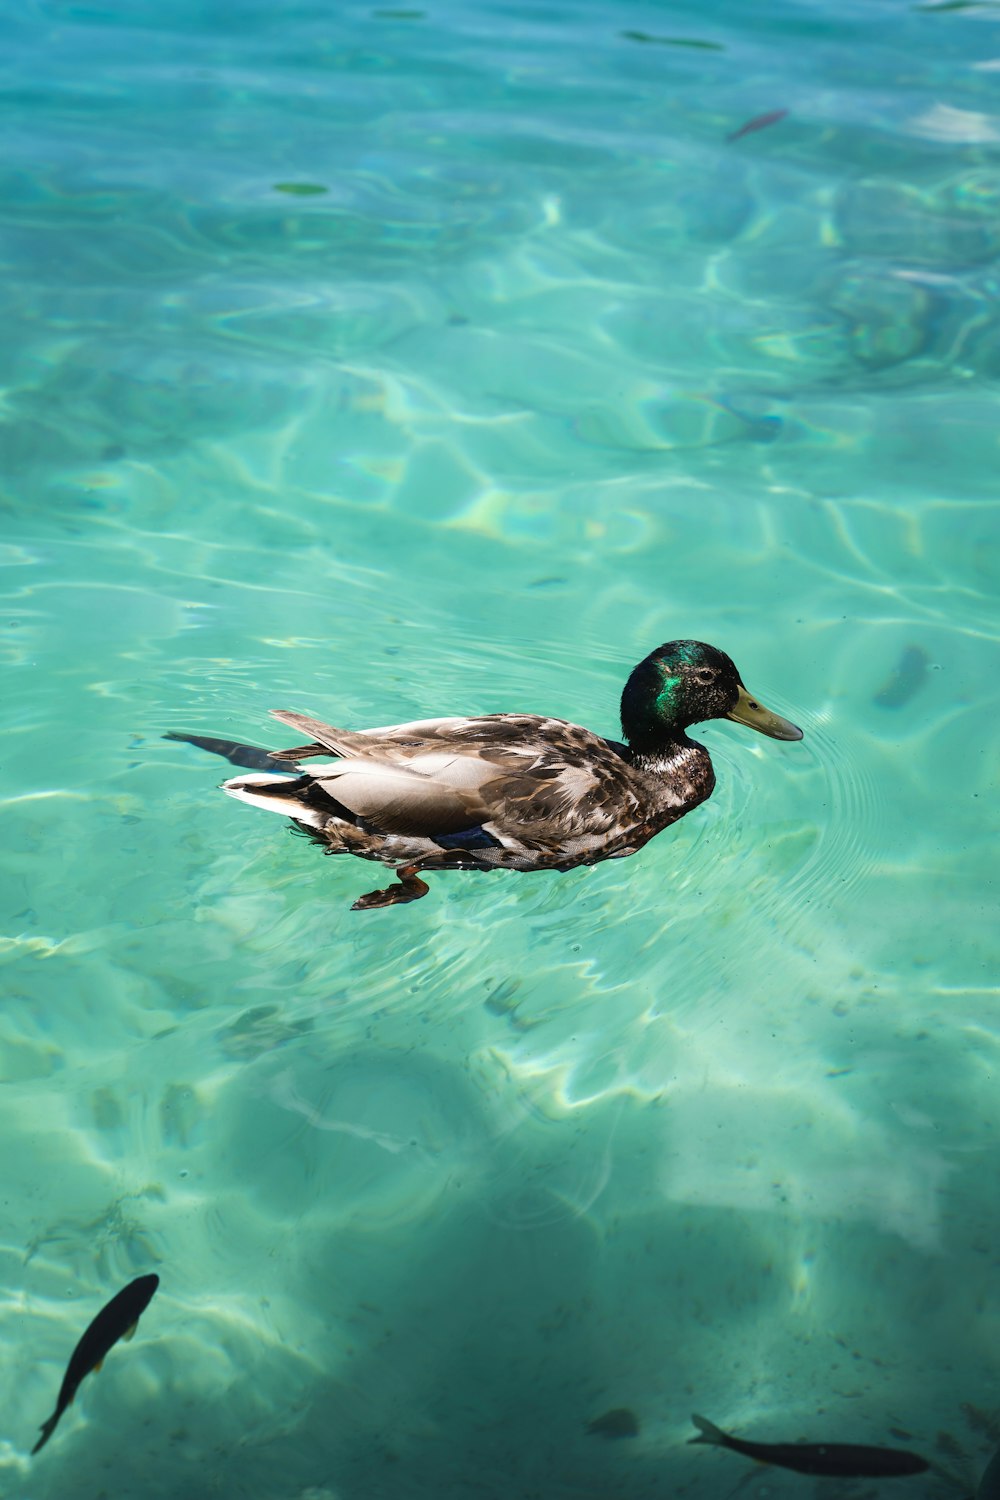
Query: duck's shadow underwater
x=504, y=791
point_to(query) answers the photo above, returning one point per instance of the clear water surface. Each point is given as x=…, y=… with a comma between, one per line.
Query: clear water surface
x=380, y=362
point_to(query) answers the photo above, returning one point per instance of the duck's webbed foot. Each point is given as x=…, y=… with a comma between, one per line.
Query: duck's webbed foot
x=409, y=887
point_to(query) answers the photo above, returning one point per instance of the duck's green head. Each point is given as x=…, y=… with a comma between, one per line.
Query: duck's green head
x=685, y=682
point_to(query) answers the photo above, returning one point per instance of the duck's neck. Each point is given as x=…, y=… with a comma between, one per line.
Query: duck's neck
x=666, y=755
x=681, y=767
x=650, y=711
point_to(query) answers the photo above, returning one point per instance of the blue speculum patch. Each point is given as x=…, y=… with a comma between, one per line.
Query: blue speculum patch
x=470, y=838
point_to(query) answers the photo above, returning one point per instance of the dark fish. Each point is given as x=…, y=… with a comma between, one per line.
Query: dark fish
x=673, y=41
x=905, y=681
x=116, y=1321
x=846, y=1460
x=249, y=756
x=619, y=1423
x=759, y=122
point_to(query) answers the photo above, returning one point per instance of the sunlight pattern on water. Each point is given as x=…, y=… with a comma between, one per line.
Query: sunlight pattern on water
x=379, y=363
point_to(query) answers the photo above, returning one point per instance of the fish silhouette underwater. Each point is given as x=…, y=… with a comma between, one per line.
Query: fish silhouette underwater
x=117, y=1320
x=843, y=1460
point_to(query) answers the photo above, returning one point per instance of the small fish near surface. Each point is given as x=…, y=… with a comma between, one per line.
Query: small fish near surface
x=673, y=41
x=300, y=189
x=118, y=1320
x=905, y=680
x=759, y=122
x=843, y=1460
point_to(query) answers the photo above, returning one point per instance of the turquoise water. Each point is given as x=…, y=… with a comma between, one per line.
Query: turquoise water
x=384, y=363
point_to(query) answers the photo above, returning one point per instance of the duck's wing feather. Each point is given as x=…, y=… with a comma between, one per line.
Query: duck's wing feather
x=531, y=777
x=362, y=741
x=395, y=799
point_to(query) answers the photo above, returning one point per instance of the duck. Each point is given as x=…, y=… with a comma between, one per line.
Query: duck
x=506, y=791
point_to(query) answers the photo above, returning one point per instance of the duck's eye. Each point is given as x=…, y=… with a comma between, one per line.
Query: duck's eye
x=704, y=678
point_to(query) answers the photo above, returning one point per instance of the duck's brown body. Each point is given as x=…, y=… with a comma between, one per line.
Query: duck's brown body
x=504, y=791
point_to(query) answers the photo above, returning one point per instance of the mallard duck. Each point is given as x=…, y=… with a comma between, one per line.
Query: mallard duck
x=504, y=791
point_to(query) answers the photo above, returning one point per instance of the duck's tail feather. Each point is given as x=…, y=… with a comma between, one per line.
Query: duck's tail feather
x=299, y=752
x=251, y=757
x=294, y=797
x=707, y=1432
x=325, y=737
